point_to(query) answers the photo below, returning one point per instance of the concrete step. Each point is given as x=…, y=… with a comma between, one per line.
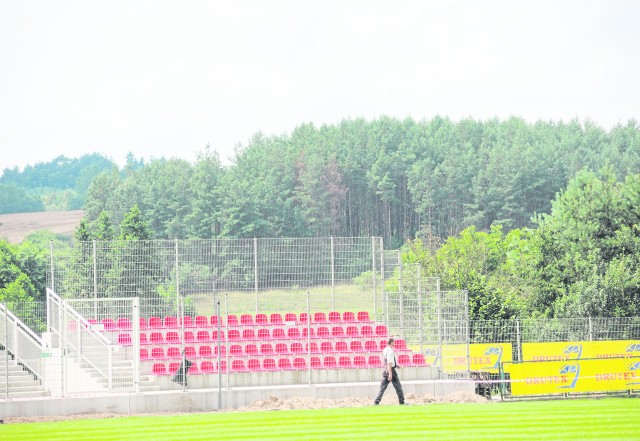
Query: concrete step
x=29, y=394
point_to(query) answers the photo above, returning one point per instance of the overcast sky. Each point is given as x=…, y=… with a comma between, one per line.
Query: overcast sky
x=164, y=78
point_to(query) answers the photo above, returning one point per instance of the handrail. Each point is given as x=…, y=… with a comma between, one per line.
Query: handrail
x=22, y=325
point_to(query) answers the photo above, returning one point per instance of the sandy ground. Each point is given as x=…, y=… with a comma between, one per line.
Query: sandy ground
x=295, y=403
x=15, y=227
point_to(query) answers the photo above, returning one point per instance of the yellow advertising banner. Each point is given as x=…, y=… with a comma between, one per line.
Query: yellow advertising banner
x=575, y=376
x=576, y=350
x=482, y=357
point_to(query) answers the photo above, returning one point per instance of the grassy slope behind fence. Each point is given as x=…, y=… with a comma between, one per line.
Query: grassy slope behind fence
x=611, y=418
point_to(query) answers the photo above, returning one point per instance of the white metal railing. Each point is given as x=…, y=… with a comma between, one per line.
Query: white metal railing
x=21, y=342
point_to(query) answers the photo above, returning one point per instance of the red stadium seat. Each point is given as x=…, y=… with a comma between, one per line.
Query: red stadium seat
x=382, y=344
x=304, y=317
x=172, y=337
x=189, y=337
x=367, y=331
x=323, y=332
x=352, y=331
x=248, y=334
x=281, y=348
x=223, y=350
x=284, y=364
x=171, y=322
x=326, y=347
x=330, y=362
x=144, y=354
x=363, y=317
x=261, y=319
x=314, y=348
x=190, y=352
x=359, y=361
x=143, y=339
x=341, y=346
x=316, y=363
x=254, y=365
x=400, y=345
x=202, y=322
x=269, y=364
x=356, y=346
x=143, y=323
x=251, y=350
x=278, y=334
x=123, y=324
x=293, y=333
x=205, y=352
x=214, y=335
x=246, y=319
x=155, y=322
x=156, y=338
x=381, y=331
x=266, y=349
x=320, y=317
x=109, y=324
x=173, y=353
x=348, y=317
x=334, y=317
x=159, y=369
x=232, y=320
x=238, y=366
x=236, y=350
x=370, y=346
x=418, y=360
x=203, y=337
x=207, y=367
x=173, y=368
x=299, y=363
x=157, y=354
x=345, y=362
x=124, y=339
x=214, y=321
x=193, y=369
x=307, y=331
x=375, y=361
x=296, y=348
x=290, y=317
x=337, y=332
x=234, y=335
x=275, y=319
x=404, y=360
x=223, y=364
x=187, y=321
x=264, y=334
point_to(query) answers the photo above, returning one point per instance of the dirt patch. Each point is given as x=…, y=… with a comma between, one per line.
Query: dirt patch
x=15, y=227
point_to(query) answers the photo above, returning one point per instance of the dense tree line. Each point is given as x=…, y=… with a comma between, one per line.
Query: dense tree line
x=60, y=184
x=385, y=177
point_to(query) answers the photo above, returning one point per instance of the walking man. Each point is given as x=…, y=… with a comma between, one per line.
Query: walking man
x=389, y=374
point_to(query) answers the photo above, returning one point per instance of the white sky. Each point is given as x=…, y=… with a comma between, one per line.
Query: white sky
x=164, y=78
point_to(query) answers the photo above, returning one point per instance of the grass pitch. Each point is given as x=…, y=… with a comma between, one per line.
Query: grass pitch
x=610, y=419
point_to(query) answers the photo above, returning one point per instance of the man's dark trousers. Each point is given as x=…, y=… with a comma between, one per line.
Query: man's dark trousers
x=396, y=384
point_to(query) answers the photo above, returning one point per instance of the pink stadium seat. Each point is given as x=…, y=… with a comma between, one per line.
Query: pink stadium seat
x=363, y=317
x=341, y=346
x=156, y=338
x=348, y=317
x=404, y=360
x=223, y=364
x=375, y=361
x=173, y=368
x=296, y=348
x=334, y=317
x=418, y=360
x=207, y=367
x=275, y=319
x=124, y=324
x=201, y=322
x=214, y=335
x=269, y=364
x=370, y=346
x=326, y=347
x=314, y=348
x=323, y=332
x=254, y=365
x=266, y=349
x=264, y=334
x=352, y=331
x=278, y=334
x=356, y=346
x=320, y=317
x=238, y=366
x=143, y=323
x=251, y=350
x=345, y=362
x=214, y=321
x=205, y=352
x=223, y=350
x=193, y=369
x=143, y=339
x=293, y=333
x=144, y=354
x=359, y=361
x=307, y=331
x=246, y=320
x=382, y=344
x=109, y=324
x=203, y=337
x=235, y=350
x=367, y=331
x=188, y=321
x=304, y=317
x=155, y=322
x=284, y=364
x=248, y=334
x=401, y=345
x=261, y=319
x=316, y=363
x=171, y=322
x=234, y=335
x=232, y=320
x=173, y=353
x=330, y=362
x=290, y=317
x=159, y=369
x=281, y=348
x=125, y=340
x=337, y=332
x=381, y=331
x=300, y=363
x=189, y=337
x=157, y=354
x=172, y=337
x=189, y=352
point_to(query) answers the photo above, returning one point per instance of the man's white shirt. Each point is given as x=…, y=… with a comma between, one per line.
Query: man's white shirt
x=389, y=356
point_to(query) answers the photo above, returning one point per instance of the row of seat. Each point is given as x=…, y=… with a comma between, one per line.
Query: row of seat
x=326, y=347
x=298, y=363
x=276, y=319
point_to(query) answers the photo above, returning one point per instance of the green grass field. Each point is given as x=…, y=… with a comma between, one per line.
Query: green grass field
x=610, y=419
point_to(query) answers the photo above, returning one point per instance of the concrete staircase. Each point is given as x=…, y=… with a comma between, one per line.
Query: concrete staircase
x=22, y=383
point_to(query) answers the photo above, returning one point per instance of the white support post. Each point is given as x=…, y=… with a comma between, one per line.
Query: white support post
x=590, y=329
x=6, y=349
x=255, y=272
x=95, y=280
x=309, y=336
x=373, y=276
x=518, y=342
x=136, y=344
x=468, y=332
x=401, y=295
x=219, y=356
x=333, y=276
x=385, y=299
x=439, y=306
x=226, y=351
x=420, y=311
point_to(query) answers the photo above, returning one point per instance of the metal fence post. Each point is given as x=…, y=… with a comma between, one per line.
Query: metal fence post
x=401, y=295
x=226, y=351
x=219, y=358
x=420, y=311
x=468, y=332
x=255, y=271
x=95, y=280
x=590, y=329
x=385, y=302
x=52, y=269
x=333, y=276
x=518, y=341
x=439, y=306
x=6, y=349
x=136, y=344
x=309, y=336
x=373, y=275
